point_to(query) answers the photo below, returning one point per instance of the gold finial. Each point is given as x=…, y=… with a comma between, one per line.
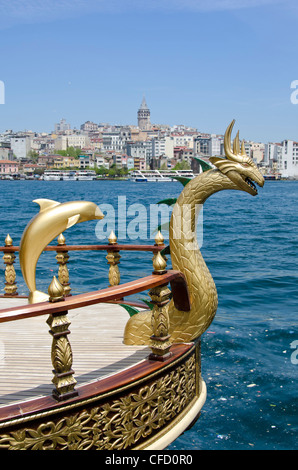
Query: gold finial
x=8, y=240
x=55, y=291
x=61, y=239
x=159, y=239
x=159, y=264
x=112, y=238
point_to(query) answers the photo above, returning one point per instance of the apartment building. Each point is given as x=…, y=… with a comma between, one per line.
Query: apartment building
x=5, y=151
x=8, y=167
x=158, y=147
x=139, y=163
x=89, y=126
x=62, y=142
x=65, y=162
x=112, y=141
x=21, y=146
x=183, y=154
x=272, y=155
x=288, y=164
x=208, y=145
x=183, y=140
x=138, y=150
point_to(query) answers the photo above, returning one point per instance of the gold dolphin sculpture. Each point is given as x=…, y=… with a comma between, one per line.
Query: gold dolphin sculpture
x=53, y=218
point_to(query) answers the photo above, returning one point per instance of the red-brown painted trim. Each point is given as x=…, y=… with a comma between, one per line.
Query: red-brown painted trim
x=175, y=278
x=115, y=247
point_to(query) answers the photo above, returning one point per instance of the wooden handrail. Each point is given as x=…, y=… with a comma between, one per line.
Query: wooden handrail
x=115, y=247
x=175, y=278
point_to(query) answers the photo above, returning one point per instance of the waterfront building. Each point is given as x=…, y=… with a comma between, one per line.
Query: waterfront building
x=273, y=155
x=289, y=159
x=101, y=162
x=65, y=162
x=21, y=146
x=117, y=160
x=8, y=167
x=130, y=163
x=30, y=168
x=86, y=161
x=139, y=163
x=257, y=152
x=144, y=116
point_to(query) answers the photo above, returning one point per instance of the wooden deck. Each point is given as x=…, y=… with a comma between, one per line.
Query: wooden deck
x=96, y=341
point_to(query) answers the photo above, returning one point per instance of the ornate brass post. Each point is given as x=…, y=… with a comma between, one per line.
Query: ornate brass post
x=62, y=258
x=61, y=350
x=160, y=340
x=113, y=258
x=159, y=240
x=10, y=274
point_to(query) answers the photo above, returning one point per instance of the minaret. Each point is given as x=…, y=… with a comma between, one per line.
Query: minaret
x=144, y=116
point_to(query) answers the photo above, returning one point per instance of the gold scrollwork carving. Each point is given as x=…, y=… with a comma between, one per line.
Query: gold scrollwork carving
x=120, y=424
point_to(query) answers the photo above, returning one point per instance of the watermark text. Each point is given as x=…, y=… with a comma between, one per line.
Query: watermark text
x=294, y=355
x=294, y=94
x=139, y=222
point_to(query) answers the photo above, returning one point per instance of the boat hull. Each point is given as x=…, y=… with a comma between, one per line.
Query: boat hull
x=145, y=407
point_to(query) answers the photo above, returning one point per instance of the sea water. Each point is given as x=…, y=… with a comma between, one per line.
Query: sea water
x=249, y=353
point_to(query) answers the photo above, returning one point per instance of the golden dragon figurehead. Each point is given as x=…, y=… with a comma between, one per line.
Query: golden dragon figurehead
x=238, y=167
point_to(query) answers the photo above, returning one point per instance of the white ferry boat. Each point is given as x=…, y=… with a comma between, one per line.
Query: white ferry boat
x=52, y=175
x=69, y=176
x=158, y=175
x=86, y=175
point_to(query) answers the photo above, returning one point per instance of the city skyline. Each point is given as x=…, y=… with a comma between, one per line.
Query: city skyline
x=197, y=64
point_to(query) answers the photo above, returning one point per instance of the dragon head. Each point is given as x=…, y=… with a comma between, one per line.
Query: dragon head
x=238, y=167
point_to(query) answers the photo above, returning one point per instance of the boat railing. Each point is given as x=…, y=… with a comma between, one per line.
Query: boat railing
x=57, y=307
x=113, y=249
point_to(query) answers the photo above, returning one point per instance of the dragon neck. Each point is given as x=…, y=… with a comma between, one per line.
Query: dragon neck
x=186, y=256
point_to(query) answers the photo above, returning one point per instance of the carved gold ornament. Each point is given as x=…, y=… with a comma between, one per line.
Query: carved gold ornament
x=122, y=423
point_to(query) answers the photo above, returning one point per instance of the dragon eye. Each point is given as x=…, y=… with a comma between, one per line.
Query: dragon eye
x=245, y=164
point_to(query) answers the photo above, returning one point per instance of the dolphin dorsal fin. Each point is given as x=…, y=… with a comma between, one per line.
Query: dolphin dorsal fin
x=72, y=220
x=46, y=203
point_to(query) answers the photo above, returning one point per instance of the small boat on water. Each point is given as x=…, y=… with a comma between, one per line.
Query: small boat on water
x=86, y=175
x=129, y=378
x=272, y=177
x=69, y=176
x=53, y=175
x=159, y=175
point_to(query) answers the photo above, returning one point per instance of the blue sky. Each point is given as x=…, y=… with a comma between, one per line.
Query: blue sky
x=198, y=63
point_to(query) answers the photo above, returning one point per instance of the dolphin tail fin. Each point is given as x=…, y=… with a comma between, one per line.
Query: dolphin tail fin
x=37, y=296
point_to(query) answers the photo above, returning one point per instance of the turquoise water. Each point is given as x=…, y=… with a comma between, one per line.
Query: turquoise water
x=250, y=246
